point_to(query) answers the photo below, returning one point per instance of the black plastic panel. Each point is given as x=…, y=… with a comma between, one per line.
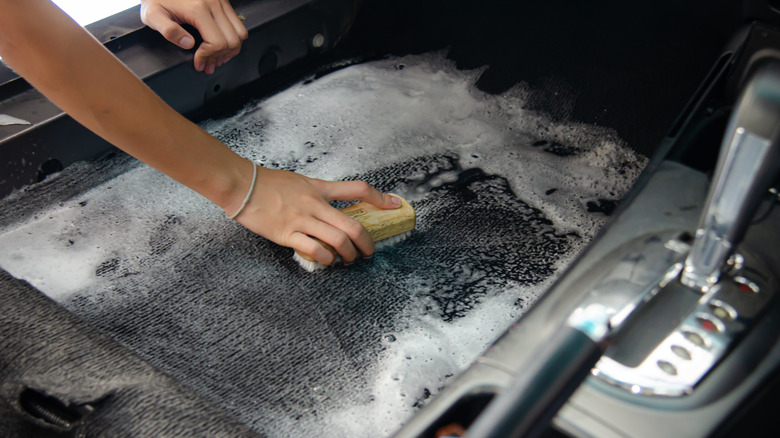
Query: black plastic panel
x=280, y=33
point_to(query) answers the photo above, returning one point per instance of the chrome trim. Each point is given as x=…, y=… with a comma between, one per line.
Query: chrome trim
x=730, y=191
x=612, y=302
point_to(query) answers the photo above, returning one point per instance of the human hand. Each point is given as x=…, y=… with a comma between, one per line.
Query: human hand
x=290, y=209
x=219, y=26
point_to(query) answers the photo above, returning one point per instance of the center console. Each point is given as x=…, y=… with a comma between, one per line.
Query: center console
x=668, y=324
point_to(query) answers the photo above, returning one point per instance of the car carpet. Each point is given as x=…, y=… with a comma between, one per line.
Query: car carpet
x=505, y=198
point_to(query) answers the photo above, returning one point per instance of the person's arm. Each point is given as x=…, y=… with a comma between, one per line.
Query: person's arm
x=219, y=26
x=79, y=75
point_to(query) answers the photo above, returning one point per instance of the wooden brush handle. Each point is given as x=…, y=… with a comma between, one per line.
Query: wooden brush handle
x=380, y=224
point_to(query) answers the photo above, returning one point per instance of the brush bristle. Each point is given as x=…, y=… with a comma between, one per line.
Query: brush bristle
x=390, y=241
x=309, y=265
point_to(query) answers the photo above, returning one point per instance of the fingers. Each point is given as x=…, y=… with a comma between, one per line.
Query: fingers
x=361, y=191
x=220, y=27
x=349, y=236
x=348, y=227
x=222, y=32
x=293, y=210
x=236, y=22
x=160, y=20
x=344, y=235
x=312, y=248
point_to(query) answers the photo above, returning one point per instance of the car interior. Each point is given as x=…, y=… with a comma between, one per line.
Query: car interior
x=662, y=323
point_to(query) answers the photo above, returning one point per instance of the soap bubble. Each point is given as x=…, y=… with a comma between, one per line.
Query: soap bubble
x=502, y=195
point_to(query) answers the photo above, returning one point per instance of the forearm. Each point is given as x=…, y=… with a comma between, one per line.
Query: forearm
x=81, y=77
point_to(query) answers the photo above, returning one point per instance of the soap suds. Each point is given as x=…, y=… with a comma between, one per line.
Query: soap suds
x=502, y=196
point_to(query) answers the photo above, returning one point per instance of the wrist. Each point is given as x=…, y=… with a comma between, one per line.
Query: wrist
x=235, y=186
x=245, y=201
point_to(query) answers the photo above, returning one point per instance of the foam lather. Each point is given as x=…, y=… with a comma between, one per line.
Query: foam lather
x=386, y=227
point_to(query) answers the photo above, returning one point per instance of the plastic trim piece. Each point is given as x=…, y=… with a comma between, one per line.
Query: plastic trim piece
x=280, y=34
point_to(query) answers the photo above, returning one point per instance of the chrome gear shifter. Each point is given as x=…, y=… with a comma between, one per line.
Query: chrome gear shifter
x=748, y=163
x=670, y=336
x=644, y=331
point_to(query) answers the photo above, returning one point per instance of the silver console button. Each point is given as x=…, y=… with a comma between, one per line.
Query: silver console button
x=681, y=352
x=667, y=367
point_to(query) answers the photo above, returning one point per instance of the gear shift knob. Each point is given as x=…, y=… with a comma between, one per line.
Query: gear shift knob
x=748, y=164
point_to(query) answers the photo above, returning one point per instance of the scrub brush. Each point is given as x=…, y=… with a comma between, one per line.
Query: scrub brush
x=386, y=227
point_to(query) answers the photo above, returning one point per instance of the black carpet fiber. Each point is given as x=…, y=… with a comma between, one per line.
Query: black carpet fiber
x=230, y=316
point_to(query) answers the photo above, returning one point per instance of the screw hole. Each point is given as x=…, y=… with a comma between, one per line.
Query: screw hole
x=268, y=62
x=48, y=167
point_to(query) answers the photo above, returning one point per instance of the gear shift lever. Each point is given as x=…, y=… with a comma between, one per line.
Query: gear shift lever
x=748, y=163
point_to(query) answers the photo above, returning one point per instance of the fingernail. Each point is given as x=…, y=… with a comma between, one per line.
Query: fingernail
x=395, y=200
x=199, y=66
x=186, y=42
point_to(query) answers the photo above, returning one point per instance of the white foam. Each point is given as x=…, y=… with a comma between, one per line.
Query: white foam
x=337, y=125
x=334, y=127
x=423, y=358
x=61, y=250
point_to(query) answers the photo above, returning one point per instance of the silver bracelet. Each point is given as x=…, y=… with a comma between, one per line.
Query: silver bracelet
x=248, y=194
